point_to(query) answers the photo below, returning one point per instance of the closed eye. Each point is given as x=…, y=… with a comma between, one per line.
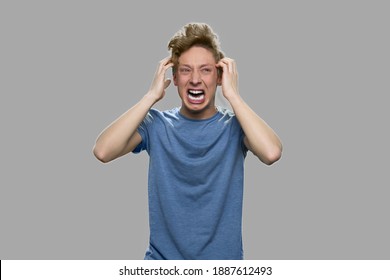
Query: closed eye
x=184, y=70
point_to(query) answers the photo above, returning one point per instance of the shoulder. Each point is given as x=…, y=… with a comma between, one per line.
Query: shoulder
x=225, y=112
x=163, y=114
x=226, y=115
x=156, y=116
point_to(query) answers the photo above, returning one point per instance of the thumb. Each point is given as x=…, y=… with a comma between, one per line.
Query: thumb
x=167, y=82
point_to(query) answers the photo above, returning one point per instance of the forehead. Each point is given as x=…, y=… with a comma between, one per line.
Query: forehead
x=197, y=56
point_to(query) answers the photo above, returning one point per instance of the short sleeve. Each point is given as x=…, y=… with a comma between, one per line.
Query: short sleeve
x=141, y=146
x=143, y=131
x=243, y=146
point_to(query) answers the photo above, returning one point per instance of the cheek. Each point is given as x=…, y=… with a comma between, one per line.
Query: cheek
x=181, y=81
x=211, y=81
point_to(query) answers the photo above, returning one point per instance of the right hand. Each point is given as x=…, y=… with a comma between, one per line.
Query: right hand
x=160, y=83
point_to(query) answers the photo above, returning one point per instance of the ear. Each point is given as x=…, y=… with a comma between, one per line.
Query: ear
x=174, y=76
x=219, y=80
x=219, y=76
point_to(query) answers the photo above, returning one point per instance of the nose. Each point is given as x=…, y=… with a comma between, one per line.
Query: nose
x=195, y=78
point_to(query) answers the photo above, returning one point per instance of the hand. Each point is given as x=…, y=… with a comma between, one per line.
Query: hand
x=160, y=83
x=229, y=77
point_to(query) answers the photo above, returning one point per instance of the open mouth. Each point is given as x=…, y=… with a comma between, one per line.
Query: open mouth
x=196, y=96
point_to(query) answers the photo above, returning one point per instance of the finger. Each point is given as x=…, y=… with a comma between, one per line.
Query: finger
x=228, y=64
x=162, y=69
x=223, y=65
x=165, y=60
x=165, y=63
x=168, y=65
x=232, y=65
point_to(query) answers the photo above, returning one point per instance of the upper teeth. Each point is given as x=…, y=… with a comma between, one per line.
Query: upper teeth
x=195, y=91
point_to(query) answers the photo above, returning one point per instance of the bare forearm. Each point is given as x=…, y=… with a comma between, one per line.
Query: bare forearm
x=121, y=136
x=259, y=137
x=115, y=139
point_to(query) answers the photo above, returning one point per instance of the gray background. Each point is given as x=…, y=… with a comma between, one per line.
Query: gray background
x=317, y=72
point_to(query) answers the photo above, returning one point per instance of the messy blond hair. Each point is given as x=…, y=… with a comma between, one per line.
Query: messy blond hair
x=194, y=34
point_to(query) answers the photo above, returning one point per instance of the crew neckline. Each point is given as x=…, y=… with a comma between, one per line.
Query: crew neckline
x=217, y=112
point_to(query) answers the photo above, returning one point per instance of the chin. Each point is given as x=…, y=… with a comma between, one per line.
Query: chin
x=198, y=111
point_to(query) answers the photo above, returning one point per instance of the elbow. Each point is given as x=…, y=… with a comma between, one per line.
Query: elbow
x=272, y=156
x=100, y=154
x=271, y=159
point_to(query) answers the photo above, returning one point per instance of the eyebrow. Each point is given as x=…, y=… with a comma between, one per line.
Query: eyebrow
x=201, y=66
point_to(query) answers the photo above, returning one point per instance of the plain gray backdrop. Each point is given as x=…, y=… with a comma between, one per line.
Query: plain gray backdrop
x=315, y=71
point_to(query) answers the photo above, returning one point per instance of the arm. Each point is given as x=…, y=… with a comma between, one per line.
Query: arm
x=121, y=136
x=260, y=139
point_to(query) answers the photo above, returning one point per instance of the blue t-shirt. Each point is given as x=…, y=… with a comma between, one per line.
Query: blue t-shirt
x=195, y=185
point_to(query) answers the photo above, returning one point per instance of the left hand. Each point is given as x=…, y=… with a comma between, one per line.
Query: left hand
x=229, y=77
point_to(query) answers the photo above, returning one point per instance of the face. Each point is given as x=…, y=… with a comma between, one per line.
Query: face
x=197, y=79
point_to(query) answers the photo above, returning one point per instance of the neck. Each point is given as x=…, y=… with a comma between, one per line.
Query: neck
x=206, y=113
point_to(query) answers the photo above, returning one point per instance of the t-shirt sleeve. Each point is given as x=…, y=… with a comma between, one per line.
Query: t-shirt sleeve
x=142, y=145
x=241, y=135
x=243, y=146
x=143, y=130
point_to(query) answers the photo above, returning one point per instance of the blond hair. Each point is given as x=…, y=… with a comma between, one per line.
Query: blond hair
x=194, y=34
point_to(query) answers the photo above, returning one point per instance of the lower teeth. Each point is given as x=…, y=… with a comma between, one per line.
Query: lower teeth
x=198, y=97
